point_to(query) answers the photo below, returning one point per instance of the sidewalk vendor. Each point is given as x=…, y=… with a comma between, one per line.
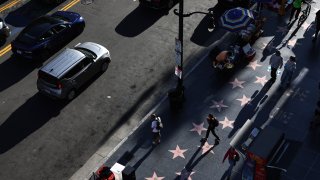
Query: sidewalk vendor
x=221, y=59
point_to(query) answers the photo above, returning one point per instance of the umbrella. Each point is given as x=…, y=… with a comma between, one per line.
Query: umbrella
x=236, y=19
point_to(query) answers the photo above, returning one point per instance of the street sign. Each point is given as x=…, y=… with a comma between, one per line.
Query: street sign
x=178, y=72
x=178, y=45
x=178, y=58
x=178, y=52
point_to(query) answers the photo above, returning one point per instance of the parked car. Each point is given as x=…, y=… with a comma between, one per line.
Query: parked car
x=67, y=72
x=158, y=4
x=47, y=34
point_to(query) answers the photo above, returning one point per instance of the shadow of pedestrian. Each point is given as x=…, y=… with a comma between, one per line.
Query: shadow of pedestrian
x=248, y=111
x=186, y=172
x=139, y=162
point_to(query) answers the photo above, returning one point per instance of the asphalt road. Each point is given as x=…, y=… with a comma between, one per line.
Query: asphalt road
x=45, y=139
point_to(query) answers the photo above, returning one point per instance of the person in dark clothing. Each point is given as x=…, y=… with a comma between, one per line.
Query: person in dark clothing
x=213, y=123
x=296, y=8
x=317, y=20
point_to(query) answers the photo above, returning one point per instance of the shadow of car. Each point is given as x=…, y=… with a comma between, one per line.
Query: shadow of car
x=47, y=34
x=158, y=4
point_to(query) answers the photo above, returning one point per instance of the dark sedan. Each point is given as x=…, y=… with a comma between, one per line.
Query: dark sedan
x=158, y=4
x=47, y=34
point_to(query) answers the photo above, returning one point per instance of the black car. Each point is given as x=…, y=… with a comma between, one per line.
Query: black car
x=158, y=4
x=52, y=1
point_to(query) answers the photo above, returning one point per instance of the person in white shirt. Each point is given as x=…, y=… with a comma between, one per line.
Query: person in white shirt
x=276, y=61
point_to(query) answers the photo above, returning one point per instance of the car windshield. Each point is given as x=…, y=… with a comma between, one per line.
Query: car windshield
x=38, y=27
x=58, y=17
x=27, y=38
x=87, y=52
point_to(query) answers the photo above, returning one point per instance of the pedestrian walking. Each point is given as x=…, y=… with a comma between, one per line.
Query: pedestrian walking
x=288, y=71
x=233, y=157
x=276, y=61
x=296, y=8
x=213, y=123
x=156, y=126
x=317, y=21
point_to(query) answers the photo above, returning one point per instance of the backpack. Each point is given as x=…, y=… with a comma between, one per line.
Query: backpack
x=213, y=122
x=159, y=123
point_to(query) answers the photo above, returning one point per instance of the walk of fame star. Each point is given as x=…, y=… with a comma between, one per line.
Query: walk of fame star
x=236, y=83
x=305, y=25
x=261, y=80
x=253, y=65
x=244, y=100
x=178, y=152
x=154, y=177
x=206, y=147
x=226, y=123
x=189, y=177
x=292, y=42
x=199, y=128
x=218, y=105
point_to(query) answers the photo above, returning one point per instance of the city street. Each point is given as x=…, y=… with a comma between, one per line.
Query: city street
x=41, y=138
x=233, y=99
x=44, y=139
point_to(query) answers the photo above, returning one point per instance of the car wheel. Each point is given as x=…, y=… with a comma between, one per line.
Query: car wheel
x=104, y=66
x=71, y=95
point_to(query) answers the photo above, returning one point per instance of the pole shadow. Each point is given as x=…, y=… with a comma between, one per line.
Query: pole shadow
x=138, y=21
x=29, y=117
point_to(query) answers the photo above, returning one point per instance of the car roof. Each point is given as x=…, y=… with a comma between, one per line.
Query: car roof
x=60, y=64
x=41, y=25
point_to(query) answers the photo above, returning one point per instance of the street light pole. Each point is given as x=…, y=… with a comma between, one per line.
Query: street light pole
x=180, y=37
x=176, y=95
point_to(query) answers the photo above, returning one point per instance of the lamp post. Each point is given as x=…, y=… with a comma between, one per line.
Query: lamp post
x=177, y=95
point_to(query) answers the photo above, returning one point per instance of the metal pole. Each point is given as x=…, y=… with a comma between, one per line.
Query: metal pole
x=180, y=36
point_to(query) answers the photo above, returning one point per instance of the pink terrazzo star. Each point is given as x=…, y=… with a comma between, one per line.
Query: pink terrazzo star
x=218, y=105
x=261, y=80
x=206, y=147
x=178, y=152
x=199, y=128
x=305, y=25
x=292, y=42
x=254, y=65
x=236, y=83
x=226, y=123
x=182, y=175
x=244, y=100
x=154, y=177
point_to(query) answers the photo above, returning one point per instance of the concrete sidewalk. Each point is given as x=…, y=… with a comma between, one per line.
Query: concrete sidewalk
x=233, y=99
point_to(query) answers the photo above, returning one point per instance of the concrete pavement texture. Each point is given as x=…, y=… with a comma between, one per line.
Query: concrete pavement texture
x=234, y=98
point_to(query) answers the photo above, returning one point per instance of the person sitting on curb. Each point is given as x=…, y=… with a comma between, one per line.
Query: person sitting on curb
x=221, y=59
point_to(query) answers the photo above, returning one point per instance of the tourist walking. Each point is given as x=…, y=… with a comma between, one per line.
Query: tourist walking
x=296, y=8
x=288, y=71
x=276, y=61
x=233, y=157
x=156, y=126
x=213, y=123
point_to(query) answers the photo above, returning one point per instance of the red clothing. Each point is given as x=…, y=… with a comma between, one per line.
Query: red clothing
x=230, y=154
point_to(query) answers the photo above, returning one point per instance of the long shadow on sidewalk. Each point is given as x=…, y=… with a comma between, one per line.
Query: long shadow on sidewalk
x=186, y=172
x=248, y=111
